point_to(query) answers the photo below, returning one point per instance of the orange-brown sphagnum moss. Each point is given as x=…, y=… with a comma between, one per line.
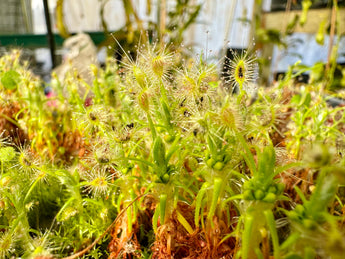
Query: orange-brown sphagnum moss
x=9, y=124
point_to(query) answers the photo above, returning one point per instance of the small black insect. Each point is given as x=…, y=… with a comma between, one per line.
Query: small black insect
x=182, y=103
x=92, y=116
x=26, y=161
x=187, y=114
x=195, y=132
x=103, y=160
x=240, y=72
x=130, y=125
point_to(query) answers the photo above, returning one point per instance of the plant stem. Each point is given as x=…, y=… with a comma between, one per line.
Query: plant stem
x=152, y=127
x=330, y=46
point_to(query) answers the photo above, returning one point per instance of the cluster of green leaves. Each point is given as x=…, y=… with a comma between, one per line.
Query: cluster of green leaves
x=177, y=137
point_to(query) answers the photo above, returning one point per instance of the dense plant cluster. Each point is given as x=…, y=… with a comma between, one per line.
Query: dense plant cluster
x=175, y=163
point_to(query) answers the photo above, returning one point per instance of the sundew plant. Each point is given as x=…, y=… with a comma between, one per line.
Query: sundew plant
x=160, y=159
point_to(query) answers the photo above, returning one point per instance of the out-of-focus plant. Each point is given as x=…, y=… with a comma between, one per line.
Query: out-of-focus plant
x=314, y=228
x=259, y=194
x=168, y=27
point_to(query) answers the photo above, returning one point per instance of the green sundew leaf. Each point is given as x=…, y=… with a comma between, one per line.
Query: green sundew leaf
x=233, y=234
x=135, y=206
x=162, y=205
x=167, y=113
x=246, y=236
x=198, y=203
x=292, y=239
x=258, y=253
x=301, y=100
x=323, y=194
x=300, y=194
x=235, y=197
x=173, y=148
x=155, y=218
x=307, y=100
x=273, y=230
x=67, y=213
x=266, y=164
x=10, y=79
x=184, y=223
x=129, y=220
x=283, y=168
x=247, y=155
x=7, y=154
x=212, y=145
x=65, y=210
x=217, y=186
x=118, y=203
x=159, y=154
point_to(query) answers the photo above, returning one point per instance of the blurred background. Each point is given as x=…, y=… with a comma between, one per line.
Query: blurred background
x=280, y=32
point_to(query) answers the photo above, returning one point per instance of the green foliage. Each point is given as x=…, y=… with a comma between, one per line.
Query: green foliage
x=173, y=156
x=10, y=79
